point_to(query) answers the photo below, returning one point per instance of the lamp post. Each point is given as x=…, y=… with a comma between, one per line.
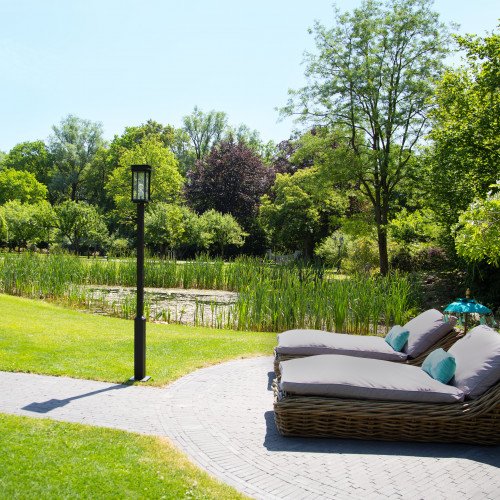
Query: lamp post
x=141, y=176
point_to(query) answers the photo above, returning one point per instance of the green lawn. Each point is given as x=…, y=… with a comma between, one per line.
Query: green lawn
x=43, y=338
x=42, y=459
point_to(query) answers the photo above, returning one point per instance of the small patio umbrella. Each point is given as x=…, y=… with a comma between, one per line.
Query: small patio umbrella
x=464, y=307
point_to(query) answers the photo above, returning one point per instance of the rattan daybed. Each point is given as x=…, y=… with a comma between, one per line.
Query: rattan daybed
x=427, y=342
x=476, y=421
x=351, y=397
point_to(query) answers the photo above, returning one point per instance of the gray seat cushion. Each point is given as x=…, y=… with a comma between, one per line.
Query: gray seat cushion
x=361, y=378
x=477, y=356
x=425, y=330
x=311, y=342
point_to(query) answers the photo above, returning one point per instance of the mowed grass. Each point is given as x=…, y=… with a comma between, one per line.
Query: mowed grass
x=42, y=459
x=39, y=337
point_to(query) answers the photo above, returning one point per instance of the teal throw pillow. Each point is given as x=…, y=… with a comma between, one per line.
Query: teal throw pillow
x=440, y=365
x=397, y=337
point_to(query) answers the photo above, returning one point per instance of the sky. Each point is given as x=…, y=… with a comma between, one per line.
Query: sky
x=122, y=62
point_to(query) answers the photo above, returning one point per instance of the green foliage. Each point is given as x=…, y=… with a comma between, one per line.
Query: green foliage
x=332, y=250
x=221, y=231
x=52, y=460
x=302, y=208
x=418, y=226
x=166, y=180
x=73, y=147
x=31, y=157
x=371, y=77
x=271, y=297
x=21, y=224
x=205, y=130
x=478, y=231
x=464, y=159
x=81, y=225
x=118, y=247
x=166, y=224
x=21, y=186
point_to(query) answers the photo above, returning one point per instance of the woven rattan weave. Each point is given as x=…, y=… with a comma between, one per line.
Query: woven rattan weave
x=476, y=421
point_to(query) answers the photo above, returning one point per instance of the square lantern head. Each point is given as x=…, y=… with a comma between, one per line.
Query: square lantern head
x=141, y=176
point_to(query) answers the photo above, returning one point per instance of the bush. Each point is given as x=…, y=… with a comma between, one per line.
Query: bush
x=119, y=247
x=420, y=258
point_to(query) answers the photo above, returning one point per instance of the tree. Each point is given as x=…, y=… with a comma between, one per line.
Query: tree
x=302, y=209
x=164, y=226
x=478, y=231
x=44, y=218
x=231, y=179
x=132, y=136
x=73, y=146
x=464, y=158
x=166, y=180
x=205, y=130
x=371, y=78
x=21, y=224
x=221, y=231
x=81, y=225
x=31, y=157
x=21, y=186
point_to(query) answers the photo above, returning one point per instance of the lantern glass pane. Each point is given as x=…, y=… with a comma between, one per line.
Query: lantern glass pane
x=141, y=186
x=134, y=186
x=146, y=185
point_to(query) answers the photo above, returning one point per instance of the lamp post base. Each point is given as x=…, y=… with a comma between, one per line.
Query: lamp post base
x=145, y=379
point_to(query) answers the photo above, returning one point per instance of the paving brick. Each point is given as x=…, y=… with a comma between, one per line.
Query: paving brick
x=230, y=432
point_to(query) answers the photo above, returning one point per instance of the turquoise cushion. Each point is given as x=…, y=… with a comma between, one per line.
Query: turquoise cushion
x=397, y=337
x=440, y=365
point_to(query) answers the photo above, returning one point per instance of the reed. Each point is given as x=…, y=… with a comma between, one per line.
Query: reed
x=271, y=297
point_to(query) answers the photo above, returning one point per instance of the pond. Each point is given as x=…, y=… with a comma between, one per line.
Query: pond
x=166, y=305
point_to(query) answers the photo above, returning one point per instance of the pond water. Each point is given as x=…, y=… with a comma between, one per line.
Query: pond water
x=167, y=305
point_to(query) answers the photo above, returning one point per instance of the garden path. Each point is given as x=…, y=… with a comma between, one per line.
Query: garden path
x=222, y=418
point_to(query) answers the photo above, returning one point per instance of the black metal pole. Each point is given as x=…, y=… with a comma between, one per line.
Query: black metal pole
x=140, y=320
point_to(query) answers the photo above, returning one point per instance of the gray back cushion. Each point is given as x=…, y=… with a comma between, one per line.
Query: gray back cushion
x=362, y=378
x=425, y=330
x=478, y=361
x=312, y=342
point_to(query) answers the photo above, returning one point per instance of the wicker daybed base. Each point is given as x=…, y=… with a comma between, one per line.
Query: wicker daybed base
x=445, y=343
x=476, y=421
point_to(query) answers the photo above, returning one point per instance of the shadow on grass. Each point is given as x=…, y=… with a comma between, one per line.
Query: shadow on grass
x=275, y=442
x=52, y=404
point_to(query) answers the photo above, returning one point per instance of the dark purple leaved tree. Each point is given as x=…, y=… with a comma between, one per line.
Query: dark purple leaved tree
x=231, y=179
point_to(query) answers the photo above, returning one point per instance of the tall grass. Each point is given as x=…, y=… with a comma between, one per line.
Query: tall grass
x=271, y=297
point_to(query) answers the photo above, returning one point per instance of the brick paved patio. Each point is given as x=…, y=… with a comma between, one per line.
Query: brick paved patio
x=222, y=418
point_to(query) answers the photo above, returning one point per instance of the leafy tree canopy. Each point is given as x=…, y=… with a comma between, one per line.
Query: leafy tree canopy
x=166, y=180
x=31, y=157
x=21, y=186
x=81, y=225
x=371, y=77
x=73, y=146
x=23, y=222
x=303, y=208
x=231, y=179
x=478, y=231
x=205, y=130
x=464, y=159
x=221, y=231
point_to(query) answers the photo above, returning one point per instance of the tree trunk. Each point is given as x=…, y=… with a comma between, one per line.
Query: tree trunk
x=382, y=250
